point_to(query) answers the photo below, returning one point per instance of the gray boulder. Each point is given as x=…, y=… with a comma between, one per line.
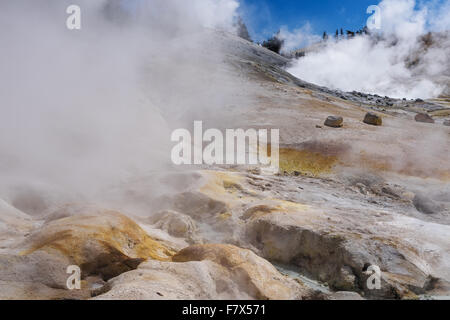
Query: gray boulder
x=334, y=122
x=373, y=119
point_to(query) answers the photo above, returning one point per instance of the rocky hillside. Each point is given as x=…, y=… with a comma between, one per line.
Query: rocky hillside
x=348, y=196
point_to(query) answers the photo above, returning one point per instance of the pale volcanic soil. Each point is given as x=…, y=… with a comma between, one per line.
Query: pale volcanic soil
x=344, y=199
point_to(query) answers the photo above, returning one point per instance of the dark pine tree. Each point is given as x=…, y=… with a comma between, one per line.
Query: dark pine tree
x=350, y=34
x=274, y=44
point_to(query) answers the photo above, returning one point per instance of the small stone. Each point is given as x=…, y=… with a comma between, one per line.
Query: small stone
x=447, y=123
x=334, y=122
x=373, y=119
x=423, y=117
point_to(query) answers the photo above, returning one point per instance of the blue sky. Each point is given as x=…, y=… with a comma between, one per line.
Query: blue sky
x=264, y=17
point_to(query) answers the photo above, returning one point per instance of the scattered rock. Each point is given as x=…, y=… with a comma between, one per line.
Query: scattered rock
x=447, y=123
x=373, y=119
x=334, y=122
x=423, y=117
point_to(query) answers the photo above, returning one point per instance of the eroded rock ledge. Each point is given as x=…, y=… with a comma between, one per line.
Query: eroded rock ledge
x=206, y=272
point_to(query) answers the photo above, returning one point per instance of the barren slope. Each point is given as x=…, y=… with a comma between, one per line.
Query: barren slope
x=344, y=199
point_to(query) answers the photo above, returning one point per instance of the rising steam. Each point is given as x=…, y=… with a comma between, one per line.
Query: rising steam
x=81, y=110
x=399, y=62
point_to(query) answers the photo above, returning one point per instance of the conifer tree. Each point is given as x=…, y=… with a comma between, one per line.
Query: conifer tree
x=275, y=43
